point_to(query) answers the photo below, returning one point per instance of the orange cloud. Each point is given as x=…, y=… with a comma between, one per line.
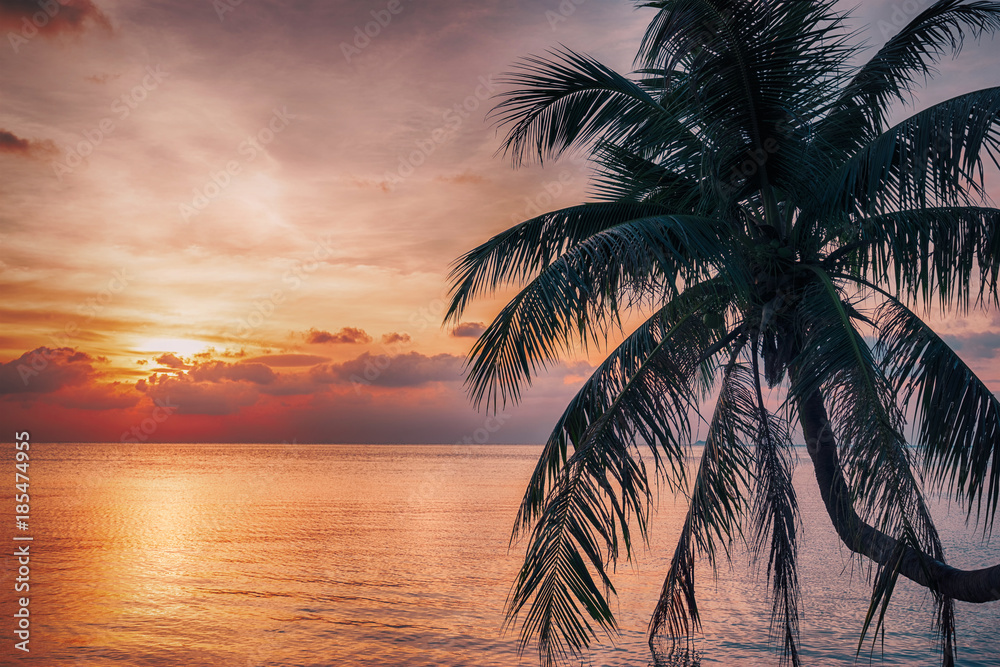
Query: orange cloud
x=394, y=338
x=465, y=178
x=347, y=335
x=102, y=78
x=288, y=360
x=469, y=330
x=373, y=398
x=218, y=371
x=171, y=361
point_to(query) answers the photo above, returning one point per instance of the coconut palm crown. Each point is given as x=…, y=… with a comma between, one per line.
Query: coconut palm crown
x=757, y=207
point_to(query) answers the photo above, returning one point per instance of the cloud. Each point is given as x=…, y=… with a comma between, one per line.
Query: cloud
x=374, y=398
x=367, y=183
x=113, y=396
x=14, y=145
x=394, y=338
x=289, y=360
x=10, y=143
x=218, y=371
x=974, y=346
x=347, y=335
x=469, y=330
x=26, y=17
x=212, y=388
x=171, y=360
x=46, y=370
x=467, y=177
x=199, y=398
x=102, y=78
x=404, y=370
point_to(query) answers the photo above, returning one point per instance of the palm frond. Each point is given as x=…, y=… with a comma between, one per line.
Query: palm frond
x=567, y=99
x=583, y=505
x=579, y=296
x=716, y=506
x=929, y=252
x=775, y=516
x=869, y=424
x=517, y=254
x=642, y=392
x=957, y=416
x=673, y=180
x=861, y=111
x=568, y=542
x=933, y=158
x=749, y=69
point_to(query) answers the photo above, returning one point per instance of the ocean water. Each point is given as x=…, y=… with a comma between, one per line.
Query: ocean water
x=319, y=555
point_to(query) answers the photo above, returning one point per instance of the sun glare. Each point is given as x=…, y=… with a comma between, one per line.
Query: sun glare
x=183, y=347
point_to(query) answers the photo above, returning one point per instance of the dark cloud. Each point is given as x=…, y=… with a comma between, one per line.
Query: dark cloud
x=10, y=143
x=289, y=360
x=404, y=370
x=974, y=346
x=211, y=388
x=26, y=18
x=203, y=398
x=347, y=335
x=46, y=370
x=468, y=330
x=15, y=145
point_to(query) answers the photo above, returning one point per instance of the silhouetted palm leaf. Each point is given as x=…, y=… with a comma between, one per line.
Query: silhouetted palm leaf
x=752, y=198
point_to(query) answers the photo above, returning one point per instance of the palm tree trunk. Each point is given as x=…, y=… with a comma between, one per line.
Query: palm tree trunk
x=966, y=585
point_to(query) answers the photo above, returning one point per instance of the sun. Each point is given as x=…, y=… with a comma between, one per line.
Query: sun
x=184, y=347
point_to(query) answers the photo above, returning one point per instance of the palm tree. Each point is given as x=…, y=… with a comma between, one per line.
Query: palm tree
x=756, y=206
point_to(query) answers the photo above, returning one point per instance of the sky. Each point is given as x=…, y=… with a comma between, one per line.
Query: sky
x=233, y=220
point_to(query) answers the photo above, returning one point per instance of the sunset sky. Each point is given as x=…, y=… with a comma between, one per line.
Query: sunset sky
x=232, y=221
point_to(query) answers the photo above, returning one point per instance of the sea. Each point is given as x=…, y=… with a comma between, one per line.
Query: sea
x=228, y=555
